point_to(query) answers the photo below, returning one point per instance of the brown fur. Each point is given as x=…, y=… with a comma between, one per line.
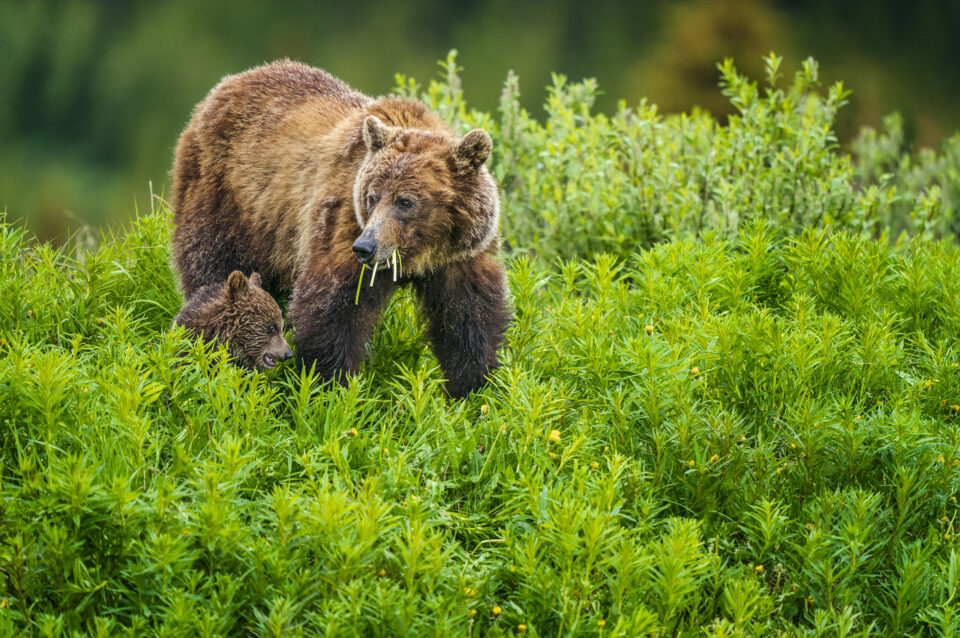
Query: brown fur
x=283, y=167
x=242, y=315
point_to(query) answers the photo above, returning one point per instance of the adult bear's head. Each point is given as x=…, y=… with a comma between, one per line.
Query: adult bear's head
x=425, y=194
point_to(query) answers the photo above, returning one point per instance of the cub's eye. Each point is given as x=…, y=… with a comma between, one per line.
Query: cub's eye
x=372, y=200
x=403, y=202
x=272, y=329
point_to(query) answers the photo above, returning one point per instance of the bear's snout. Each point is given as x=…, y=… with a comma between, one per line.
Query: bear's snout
x=276, y=354
x=365, y=248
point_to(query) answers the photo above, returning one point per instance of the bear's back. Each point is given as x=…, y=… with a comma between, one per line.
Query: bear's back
x=263, y=97
x=202, y=311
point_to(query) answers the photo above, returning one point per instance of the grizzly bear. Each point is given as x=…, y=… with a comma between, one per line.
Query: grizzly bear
x=286, y=170
x=242, y=315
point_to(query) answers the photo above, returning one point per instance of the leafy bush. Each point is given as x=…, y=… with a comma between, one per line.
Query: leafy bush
x=909, y=191
x=738, y=436
x=582, y=184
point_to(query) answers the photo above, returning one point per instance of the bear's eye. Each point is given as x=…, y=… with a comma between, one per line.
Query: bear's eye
x=403, y=202
x=372, y=200
x=272, y=329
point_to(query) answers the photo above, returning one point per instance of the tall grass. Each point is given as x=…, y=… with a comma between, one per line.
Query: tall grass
x=731, y=436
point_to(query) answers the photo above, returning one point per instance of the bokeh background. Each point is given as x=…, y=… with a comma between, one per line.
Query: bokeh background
x=94, y=93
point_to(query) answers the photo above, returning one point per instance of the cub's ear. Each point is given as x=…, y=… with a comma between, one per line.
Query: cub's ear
x=376, y=134
x=474, y=149
x=237, y=285
x=256, y=280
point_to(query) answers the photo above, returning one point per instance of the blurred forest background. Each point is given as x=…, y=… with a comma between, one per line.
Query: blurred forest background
x=94, y=93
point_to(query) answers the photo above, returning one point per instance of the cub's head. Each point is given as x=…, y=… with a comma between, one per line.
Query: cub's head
x=424, y=194
x=255, y=335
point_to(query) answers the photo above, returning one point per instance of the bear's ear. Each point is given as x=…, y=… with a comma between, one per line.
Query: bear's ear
x=256, y=280
x=237, y=285
x=474, y=149
x=376, y=134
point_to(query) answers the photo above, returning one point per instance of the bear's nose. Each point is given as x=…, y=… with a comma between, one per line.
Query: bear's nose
x=288, y=354
x=365, y=248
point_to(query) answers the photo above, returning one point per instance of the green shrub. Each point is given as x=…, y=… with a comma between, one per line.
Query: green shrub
x=776, y=452
x=579, y=183
x=918, y=192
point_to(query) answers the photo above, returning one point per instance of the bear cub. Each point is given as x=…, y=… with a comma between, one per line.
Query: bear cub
x=241, y=314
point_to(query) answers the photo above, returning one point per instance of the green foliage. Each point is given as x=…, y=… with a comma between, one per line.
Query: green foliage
x=920, y=192
x=753, y=429
x=580, y=183
x=744, y=436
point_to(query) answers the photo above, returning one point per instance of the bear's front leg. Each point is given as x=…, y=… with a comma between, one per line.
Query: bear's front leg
x=465, y=305
x=331, y=329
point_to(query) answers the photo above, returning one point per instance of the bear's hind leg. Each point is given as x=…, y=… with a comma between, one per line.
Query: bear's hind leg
x=209, y=241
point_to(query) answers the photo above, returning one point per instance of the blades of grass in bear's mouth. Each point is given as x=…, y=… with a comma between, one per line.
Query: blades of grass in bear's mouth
x=356, y=300
x=374, y=275
x=395, y=264
x=399, y=263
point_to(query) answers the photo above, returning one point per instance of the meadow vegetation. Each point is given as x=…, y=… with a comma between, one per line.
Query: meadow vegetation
x=729, y=406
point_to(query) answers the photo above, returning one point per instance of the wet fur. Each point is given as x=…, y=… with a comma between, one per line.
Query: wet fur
x=273, y=174
x=238, y=313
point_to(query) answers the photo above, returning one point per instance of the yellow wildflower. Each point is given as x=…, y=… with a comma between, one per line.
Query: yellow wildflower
x=649, y=329
x=692, y=463
x=758, y=568
x=521, y=627
x=694, y=370
x=714, y=458
x=496, y=611
x=595, y=465
x=601, y=622
x=472, y=612
x=484, y=409
x=555, y=436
